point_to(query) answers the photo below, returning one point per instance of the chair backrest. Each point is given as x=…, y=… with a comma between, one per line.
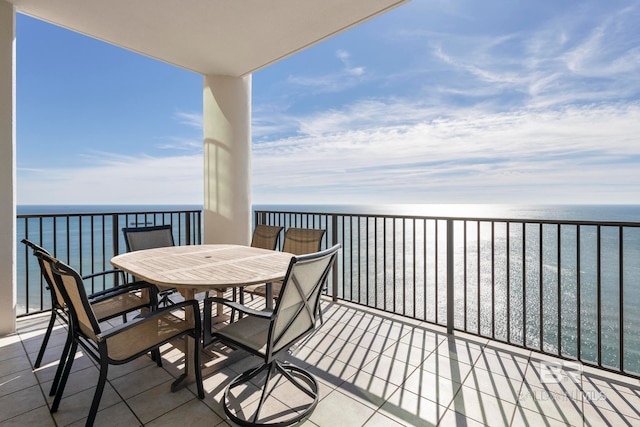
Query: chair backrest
x=300, y=241
x=56, y=298
x=139, y=238
x=297, y=305
x=265, y=236
x=69, y=284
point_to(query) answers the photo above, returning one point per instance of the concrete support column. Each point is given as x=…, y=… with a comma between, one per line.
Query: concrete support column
x=7, y=170
x=226, y=123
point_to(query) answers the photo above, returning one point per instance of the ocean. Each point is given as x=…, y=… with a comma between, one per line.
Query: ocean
x=490, y=268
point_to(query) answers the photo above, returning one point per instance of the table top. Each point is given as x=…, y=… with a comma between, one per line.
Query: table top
x=205, y=266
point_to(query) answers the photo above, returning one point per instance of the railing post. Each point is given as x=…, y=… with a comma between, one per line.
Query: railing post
x=334, y=270
x=450, y=263
x=114, y=234
x=187, y=225
x=115, y=242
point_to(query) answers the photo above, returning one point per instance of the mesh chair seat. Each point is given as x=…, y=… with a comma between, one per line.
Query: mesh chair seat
x=147, y=333
x=249, y=331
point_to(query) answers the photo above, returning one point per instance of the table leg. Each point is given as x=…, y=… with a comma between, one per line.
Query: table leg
x=189, y=347
x=269, y=296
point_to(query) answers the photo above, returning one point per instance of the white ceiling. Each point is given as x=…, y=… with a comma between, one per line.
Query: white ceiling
x=224, y=37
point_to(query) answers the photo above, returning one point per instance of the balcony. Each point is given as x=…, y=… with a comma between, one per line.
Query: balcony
x=410, y=336
x=373, y=368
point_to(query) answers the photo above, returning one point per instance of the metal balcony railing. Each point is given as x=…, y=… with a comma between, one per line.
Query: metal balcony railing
x=566, y=288
x=87, y=241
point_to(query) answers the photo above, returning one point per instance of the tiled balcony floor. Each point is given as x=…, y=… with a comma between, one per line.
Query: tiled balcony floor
x=374, y=369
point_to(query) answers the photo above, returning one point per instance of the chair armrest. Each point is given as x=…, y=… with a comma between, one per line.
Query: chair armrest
x=122, y=289
x=103, y=273
x=208, y=302
x=159, y=312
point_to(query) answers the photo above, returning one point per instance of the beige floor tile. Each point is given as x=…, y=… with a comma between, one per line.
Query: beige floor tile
x=561, y=406
x=482, y=407
x=389, y=369
x=496, y=385
x=141, y=380
x=47, y=371
x=411, y=354
x=368, y=389
x=351, y=413
x=117, y=371
x=612, y=396
x=195, y=412
x=344, y=331
x=117, y=415
x=452, y=418
x=598, y=416
x=375, y=342
x=332, y=370
x=10, y=348
x=35, y=417
x=526, y=417
x=379, y=420
x=34, y=341
x=354, y=355
x=17, y=381
x=158, y=401
x=78, y=381
x=431, y=386
x=422, y=336
x=410, y=409
x=15, y=364
x=11, y=339
x=503, y=363
x=22, y=401
x=76, y=407
x=446, y=367
x=461, y=349
x=553, y=378
x=317, y=346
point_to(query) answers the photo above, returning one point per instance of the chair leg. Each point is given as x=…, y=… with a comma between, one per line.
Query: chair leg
x=234, y=296
x=320, y=313
x=155, y=356
x=270, y=372
x=104, y=367
x=206, y=322
x=198, y=368
x=45, y=340
x=61, y=364
x=65, y=375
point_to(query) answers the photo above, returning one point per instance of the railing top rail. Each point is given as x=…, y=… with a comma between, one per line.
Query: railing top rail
x=462, y=219
x=75, y=214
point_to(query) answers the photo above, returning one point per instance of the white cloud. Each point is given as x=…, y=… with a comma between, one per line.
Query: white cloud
x=116, y=179
x=576, y=154
x=193, y=120
x=347, y=77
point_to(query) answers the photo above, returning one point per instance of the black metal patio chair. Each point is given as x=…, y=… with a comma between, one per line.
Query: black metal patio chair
x=117, y=301
x=120, y=344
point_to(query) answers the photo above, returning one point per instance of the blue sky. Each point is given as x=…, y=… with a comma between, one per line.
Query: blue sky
x=434, y=102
